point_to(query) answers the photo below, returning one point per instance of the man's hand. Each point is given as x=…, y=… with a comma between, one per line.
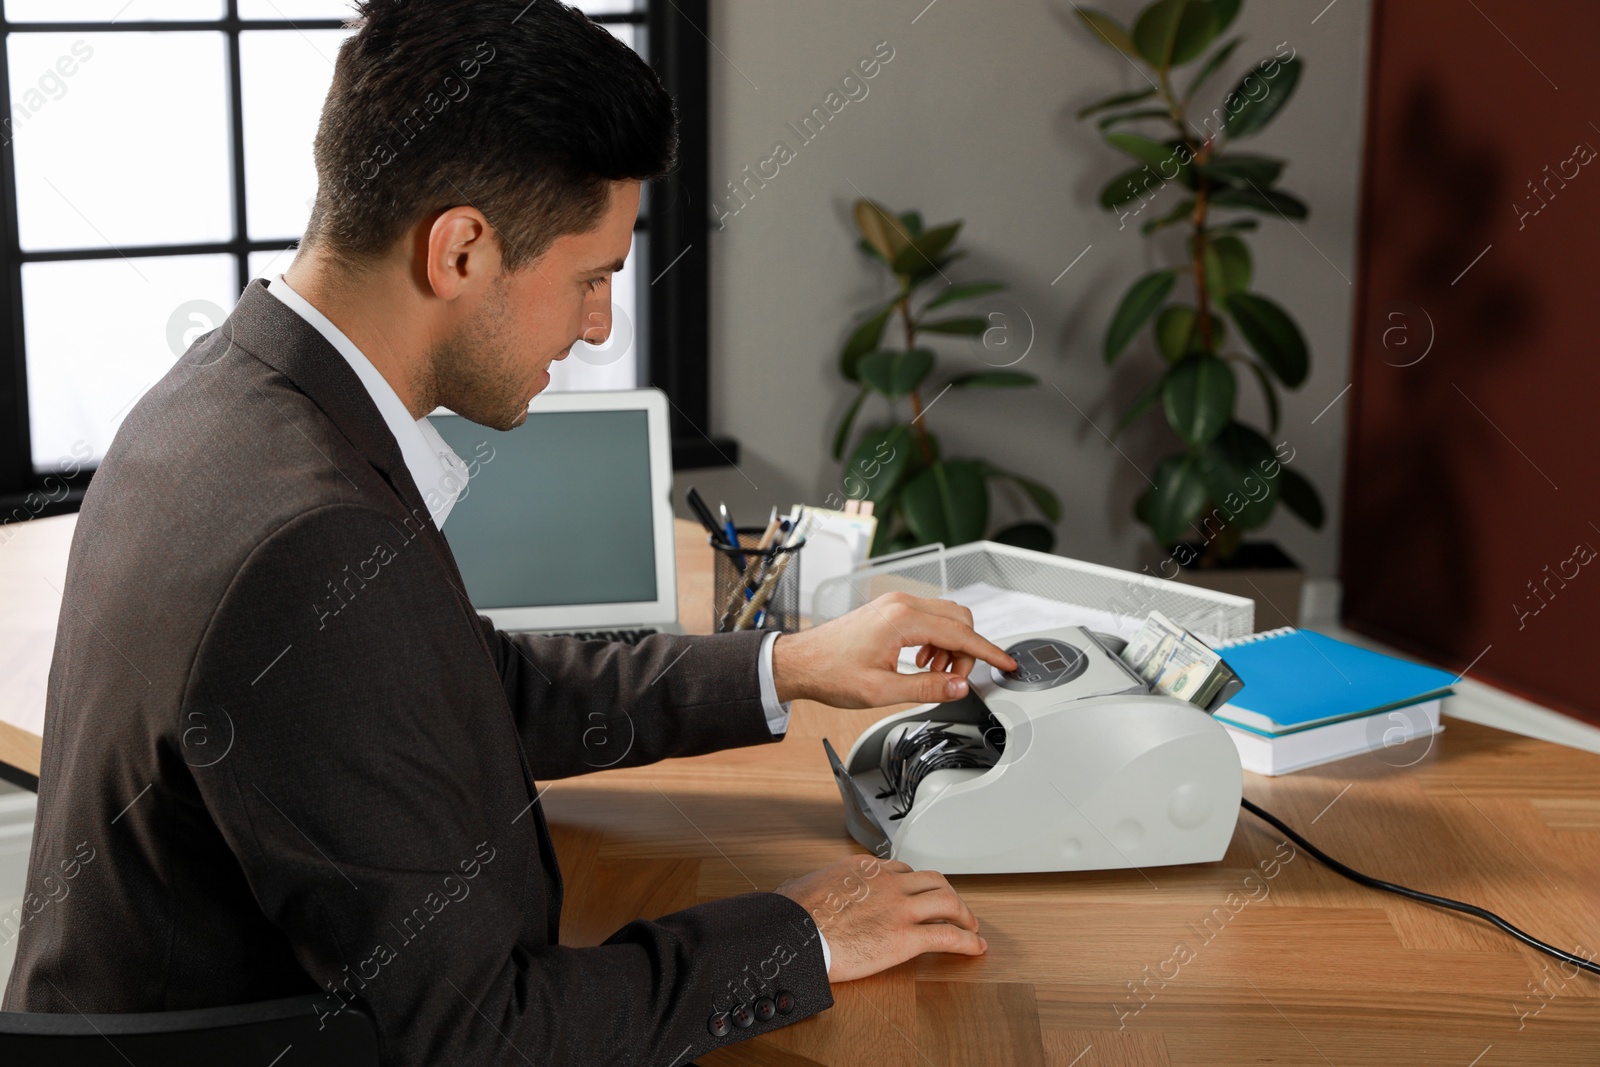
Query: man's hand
x=877, y=914
x=850, y=662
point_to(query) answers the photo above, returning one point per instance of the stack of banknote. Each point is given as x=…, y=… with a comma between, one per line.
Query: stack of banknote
x=1174, y=661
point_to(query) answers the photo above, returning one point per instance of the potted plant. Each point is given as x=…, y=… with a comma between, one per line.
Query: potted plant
x=1227, y=478
x=919, y=495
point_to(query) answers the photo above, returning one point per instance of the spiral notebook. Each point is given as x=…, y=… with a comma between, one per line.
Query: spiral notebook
x=1299, y=679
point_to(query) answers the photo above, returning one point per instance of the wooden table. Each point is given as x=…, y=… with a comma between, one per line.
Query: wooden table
x=1209, y=964
x=1090, y=969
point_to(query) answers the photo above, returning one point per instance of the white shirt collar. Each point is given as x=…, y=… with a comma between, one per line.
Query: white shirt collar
x=435, y=468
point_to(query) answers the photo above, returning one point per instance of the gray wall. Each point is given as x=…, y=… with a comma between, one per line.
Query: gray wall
x=973, y=118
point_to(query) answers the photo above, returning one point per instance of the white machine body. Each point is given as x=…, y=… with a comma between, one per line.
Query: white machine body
x=1097, y=773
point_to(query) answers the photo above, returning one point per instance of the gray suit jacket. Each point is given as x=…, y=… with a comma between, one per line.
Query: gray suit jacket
x=283, y=754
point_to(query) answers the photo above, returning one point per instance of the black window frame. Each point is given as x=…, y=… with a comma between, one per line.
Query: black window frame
x=673, y=286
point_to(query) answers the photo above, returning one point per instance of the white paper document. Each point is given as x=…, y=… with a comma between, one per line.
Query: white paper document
x=1001, y=613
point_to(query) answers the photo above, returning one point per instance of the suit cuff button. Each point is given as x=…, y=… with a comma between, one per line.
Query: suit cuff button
x=766, y=1008
x=719, y=1025
x=742, y=1016
x=783, y=1001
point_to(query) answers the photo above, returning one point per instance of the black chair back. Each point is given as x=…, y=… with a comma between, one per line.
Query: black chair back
x=273, y=1033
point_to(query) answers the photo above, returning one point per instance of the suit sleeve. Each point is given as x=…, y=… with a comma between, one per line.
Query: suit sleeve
x=373, y=805
x=583, y=706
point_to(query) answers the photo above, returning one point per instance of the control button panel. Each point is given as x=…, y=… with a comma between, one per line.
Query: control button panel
x=1042, y=664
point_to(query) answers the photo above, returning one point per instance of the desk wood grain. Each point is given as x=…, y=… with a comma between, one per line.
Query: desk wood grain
x=1216, y=963
x=1207, y=964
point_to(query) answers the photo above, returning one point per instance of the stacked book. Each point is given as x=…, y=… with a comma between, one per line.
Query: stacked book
x=1310, y=699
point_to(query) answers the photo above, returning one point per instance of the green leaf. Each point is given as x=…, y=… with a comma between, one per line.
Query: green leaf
x=1182, y=213
x=928, y=271
x=1178, y=332
x=895, y=373
x=1269, y=391
x=1170, y=33
x=1129, y=185
x=1267, y=201
x=921, y=253
x=880, y=464
x=955, y=327
x=1196, y=30
x=1198, y=397
x=1175, y=500
x=1219, y=57
x=1224, y=12
x=1228, y=266
x=1234, y=466
x=1109, y=30
x=1300, y=497
x=1136, y=309
x=1236, y=226
x=1119, y=100
x=963, y=292
x=1046, y=501
x=1272, y=334
x=912, y=221
x=993, y=379
x=947, y=502
x=1031, y=535
x=1130, y=116
x=842, y=435
x=1252, y=115
x=868, y=250
x=1145, y=401
x=1243, y=169
x=1174, y=326
x=863, y=339
x=1160, y=157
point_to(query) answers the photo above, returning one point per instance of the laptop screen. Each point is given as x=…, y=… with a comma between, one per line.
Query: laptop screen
x=557, y=511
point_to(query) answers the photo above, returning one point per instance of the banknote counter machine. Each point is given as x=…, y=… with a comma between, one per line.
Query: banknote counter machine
x=1071, y=762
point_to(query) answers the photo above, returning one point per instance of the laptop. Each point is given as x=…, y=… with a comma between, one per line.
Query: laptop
x=565, y=526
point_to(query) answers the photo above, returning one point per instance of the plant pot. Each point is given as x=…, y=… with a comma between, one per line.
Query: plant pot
x=1259, y=570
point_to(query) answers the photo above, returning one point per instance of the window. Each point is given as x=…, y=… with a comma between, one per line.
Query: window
x=158, y=158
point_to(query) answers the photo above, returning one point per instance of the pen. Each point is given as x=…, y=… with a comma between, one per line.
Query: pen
x=765, y=543
x=755, y=575
x=733, y=536
x=771, y=531
x=703, y=513
x=769, y=583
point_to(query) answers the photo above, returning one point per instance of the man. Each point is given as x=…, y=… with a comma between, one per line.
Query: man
x=283, y=755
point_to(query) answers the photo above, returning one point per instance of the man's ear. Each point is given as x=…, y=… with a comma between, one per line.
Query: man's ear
x=462, y=254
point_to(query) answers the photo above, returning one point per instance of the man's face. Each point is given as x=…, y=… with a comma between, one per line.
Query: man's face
x=499, y=359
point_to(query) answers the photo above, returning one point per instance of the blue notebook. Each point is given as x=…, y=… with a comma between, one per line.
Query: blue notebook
x=1297, y=679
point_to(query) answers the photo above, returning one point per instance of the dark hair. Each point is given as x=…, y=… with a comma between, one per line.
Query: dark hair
x=526, y=111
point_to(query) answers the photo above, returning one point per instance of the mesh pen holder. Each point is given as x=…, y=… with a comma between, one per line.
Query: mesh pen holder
x=765, y=594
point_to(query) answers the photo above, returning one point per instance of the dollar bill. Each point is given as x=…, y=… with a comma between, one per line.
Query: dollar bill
x=1151, y=647
x=1173, y=661
x=1188, y=670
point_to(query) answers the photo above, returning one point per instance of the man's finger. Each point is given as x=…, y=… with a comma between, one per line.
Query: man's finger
x=924, y=687
x=937, y=606
x=915, y=881
x=943, y=937
x=955, y=636
x=943, y=905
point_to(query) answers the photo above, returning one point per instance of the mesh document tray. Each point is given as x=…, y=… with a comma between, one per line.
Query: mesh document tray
x=934, y=570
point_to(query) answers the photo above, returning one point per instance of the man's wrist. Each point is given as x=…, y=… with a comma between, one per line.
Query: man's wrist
x=789, y=669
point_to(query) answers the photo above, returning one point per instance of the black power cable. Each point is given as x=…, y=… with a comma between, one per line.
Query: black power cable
x=1427, y=898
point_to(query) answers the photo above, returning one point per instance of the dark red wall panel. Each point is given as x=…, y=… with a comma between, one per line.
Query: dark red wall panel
x=1471, y=500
